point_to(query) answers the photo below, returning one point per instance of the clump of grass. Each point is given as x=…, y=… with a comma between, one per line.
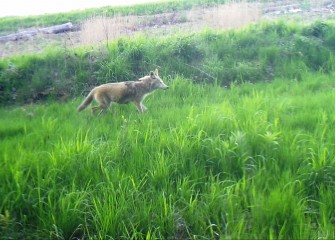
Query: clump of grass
x=232, y=15
x=102, y=29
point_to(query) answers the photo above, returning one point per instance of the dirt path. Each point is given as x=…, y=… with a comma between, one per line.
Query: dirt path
x=235, y=15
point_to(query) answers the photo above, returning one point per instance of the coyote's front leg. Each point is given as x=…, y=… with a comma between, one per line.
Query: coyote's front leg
x=144, y=108
x=141, y=108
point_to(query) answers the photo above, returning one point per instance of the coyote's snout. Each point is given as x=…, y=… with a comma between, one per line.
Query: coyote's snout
x=124, y=92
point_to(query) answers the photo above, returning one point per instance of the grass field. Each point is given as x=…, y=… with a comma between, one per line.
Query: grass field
x=241, y=146
x=253, y=162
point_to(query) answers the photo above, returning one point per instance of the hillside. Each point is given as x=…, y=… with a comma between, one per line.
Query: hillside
x=94, y=30
x=260, y=52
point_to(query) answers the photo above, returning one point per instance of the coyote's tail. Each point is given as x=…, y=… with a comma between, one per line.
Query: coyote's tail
x=86, y=102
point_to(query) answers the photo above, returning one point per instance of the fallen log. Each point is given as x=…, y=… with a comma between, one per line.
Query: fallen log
x=29, y=33
x=58, y=28
x=17, y=36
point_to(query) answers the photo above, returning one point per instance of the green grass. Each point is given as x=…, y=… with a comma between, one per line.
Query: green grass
x=241, y=146
x=253, y=162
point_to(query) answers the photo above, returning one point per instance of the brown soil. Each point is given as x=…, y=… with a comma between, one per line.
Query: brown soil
x=234, y=15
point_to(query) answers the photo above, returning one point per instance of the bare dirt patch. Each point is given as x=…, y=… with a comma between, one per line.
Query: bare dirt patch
x=100, y=29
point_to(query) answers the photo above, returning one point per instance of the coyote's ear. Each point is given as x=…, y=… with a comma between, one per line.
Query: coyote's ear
x=152, y=74
x=156, y=71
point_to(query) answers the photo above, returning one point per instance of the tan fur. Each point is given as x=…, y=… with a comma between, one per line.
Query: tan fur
x=124, y=92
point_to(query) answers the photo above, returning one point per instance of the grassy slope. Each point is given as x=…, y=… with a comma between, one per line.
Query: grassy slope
x=252, y=162
x=258, y=53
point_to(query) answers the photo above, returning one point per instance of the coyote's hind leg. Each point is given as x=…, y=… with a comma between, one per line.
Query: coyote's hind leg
x=102, y=108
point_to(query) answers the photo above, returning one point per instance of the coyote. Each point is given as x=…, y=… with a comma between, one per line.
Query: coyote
x=124, y=92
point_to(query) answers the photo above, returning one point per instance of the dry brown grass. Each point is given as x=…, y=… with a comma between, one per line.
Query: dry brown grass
x=228, y=16
x=234, y=14
x=100, y=29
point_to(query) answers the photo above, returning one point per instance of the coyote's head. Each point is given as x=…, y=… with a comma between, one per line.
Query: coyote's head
x=156, y=81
